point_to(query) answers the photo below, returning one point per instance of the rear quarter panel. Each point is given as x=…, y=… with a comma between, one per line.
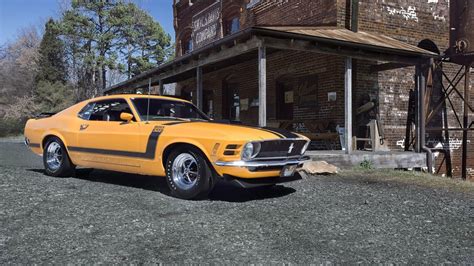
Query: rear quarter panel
x=63, y=125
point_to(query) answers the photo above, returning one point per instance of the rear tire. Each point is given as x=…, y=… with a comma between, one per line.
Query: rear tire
x=188, y=175
x=56, y=159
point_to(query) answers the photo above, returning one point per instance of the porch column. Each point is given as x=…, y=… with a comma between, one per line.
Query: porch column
x=262, y=86
x=161, y=90
x=348, y=105
x=199, y=87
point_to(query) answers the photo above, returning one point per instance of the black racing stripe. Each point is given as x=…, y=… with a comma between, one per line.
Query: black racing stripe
x=176, y=123
x=247, y=126
x=34, y=145
x=283, y=132
x=150, y=152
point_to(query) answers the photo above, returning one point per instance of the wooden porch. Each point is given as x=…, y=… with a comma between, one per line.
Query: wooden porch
x=378, y=159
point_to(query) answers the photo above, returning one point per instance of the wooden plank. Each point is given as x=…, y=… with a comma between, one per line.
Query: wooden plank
x=348, y=104
x=262, y=86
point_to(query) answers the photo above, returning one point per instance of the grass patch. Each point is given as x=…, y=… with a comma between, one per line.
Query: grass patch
x=410, y=178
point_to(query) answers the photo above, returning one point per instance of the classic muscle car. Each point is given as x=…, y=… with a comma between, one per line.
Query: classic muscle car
x=163, y=136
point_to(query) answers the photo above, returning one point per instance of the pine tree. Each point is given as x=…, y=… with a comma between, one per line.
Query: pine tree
x=51, y=66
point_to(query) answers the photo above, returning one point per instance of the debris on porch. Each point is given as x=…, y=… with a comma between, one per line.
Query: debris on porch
x=318, y=167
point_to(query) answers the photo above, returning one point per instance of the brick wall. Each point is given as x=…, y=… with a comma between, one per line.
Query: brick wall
x=406, y=20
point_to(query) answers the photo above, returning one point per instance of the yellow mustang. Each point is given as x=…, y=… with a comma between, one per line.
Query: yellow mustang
x=163, y=136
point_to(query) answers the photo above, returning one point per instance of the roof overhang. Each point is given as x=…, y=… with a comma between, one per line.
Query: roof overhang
x=242, y=45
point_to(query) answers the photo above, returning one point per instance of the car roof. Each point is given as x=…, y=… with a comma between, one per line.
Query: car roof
x=129, y=96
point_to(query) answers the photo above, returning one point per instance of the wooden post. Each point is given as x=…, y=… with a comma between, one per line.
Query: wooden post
x=421, y=106
x=262, y=86
x=161, y=88
x=348, y=105
x=199, y=87
x=417, y=145
x=465, y=121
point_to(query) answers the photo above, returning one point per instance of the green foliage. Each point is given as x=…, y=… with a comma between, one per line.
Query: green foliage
x=53, y=97
x=51, y=65
x=111, y=35
x=11, y=127
x=16, y=114
x=366, y=164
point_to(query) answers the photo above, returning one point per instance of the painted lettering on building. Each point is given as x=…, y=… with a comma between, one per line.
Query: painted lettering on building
x=408, y=13
x=206, y=25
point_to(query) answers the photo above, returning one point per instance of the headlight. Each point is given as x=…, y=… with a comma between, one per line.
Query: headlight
x=250, y=150
x=305, y=147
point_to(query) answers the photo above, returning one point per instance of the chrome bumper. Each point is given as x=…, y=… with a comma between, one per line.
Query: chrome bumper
x=263, y=163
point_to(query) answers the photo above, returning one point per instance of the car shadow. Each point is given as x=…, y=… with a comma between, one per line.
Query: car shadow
x=223, y=191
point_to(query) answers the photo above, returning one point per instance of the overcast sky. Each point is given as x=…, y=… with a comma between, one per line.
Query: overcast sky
x=17, y=14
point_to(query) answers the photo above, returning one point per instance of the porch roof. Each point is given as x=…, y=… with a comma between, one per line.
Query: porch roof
x=238, y=47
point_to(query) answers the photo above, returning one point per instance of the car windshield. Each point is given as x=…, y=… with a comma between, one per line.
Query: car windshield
x=161, y=109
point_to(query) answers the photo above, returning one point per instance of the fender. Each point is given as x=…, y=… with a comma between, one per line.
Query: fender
x=192, y=142
x=55, y=134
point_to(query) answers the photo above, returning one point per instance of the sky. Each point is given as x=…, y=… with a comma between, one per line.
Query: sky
x=18, y=14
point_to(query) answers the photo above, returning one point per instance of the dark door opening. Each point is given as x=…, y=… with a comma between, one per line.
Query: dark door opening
x=231, y=102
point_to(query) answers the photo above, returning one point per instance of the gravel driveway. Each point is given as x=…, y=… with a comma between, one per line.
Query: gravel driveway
x=118, y=218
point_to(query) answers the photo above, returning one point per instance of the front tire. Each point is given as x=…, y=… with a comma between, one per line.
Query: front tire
x=56, y=159
x=188, y=175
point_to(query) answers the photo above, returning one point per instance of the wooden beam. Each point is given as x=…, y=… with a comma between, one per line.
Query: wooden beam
x=309, y=46
x=222, y=55
x=348, y=105
x=199, y=87
x=387, y=66
x=262, y=86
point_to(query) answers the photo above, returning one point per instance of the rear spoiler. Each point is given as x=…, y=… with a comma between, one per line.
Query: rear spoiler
x=44, y=115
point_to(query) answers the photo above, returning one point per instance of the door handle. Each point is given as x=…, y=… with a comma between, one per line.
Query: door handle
x=83, y=127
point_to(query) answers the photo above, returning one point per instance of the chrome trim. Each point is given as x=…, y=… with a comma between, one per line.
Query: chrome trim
x=263, y=163
x=277, y=158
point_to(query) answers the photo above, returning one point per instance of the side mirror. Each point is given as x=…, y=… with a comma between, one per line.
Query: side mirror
x=126, y=117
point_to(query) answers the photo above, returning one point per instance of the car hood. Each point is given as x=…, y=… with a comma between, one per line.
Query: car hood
x=229, y=131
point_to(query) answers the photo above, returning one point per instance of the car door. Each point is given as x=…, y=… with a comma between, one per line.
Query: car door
x=105, y=141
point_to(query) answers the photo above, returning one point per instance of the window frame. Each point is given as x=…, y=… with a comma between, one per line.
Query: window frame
x=200, y=112
x=107, y=100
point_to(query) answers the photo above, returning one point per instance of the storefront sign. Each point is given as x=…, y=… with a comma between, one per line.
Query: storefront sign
x=206, y=25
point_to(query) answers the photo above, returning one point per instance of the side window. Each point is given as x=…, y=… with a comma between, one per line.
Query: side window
x=86, y=112
x=108, y=110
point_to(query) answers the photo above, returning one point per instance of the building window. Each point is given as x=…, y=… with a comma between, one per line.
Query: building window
x=232, y=26
x=186, y=45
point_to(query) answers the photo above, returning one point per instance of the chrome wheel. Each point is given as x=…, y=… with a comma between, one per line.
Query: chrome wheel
x=54, y=156
x=185, y=171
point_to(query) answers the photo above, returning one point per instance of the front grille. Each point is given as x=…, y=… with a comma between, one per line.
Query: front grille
x=280, y=148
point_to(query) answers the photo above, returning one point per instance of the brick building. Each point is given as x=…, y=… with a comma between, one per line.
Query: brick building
x=306, y=91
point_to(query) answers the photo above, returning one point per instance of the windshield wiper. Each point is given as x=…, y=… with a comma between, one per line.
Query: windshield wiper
x=172, y=117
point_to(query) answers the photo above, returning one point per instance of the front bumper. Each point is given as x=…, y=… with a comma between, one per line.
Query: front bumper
x=264, y=164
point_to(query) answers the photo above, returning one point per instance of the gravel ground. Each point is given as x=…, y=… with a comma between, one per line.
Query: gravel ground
x=118, y=218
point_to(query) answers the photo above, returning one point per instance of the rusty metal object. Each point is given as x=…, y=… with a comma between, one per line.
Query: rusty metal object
x=461, y=24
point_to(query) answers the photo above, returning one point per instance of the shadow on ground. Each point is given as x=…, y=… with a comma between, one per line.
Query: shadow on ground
x=223, y=191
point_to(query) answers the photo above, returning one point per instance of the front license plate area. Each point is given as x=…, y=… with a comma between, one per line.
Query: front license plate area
x=288, y=170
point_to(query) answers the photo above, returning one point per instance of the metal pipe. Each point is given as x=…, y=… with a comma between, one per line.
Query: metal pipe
x=465, y=121
x=355, y=15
